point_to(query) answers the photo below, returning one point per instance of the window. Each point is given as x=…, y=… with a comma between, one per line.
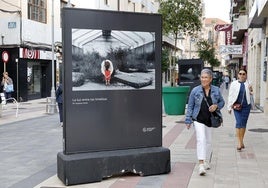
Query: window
x=37, y=10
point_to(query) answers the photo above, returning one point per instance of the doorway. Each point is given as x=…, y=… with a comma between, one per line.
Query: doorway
x=37, y=80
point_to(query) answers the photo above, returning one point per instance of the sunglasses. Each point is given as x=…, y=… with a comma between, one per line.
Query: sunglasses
x=242, y=74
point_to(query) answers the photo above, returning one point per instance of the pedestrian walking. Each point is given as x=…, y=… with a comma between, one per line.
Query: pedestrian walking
x=59, y=100
x=234, y=79
x=198, y=113
x=226, y=81
x=239, y=102
x=7, y=84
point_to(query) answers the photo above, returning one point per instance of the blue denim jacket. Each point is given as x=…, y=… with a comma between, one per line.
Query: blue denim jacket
x=195, y=100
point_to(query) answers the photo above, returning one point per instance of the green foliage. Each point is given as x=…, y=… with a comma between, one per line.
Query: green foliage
x=119, y=57
x=181, y=16
x=206, y=52
x=165, y=59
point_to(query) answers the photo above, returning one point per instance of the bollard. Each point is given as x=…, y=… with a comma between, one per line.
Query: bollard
x=51, y=107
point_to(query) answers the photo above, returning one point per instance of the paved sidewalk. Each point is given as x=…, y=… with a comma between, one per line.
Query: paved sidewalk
x=14, y=112
x=28, y=149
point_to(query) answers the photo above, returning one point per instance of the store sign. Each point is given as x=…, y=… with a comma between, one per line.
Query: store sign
x=231, y=49
x=29, y=53
x=227, y=28
x=12, y=25
x=35, y=54
x=223, y=27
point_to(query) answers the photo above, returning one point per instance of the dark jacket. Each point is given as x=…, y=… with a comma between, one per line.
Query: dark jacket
x=59, y=91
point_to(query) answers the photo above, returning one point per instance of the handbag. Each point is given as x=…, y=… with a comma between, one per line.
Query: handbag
x=215, y=119
x=237, y=106
x=9, y=88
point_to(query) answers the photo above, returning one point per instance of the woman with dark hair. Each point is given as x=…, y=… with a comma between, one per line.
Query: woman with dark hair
x=239, y=102
x=203, y=100
x=107, y=70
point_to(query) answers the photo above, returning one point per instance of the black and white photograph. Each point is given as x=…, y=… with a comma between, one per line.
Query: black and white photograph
x=112, y=60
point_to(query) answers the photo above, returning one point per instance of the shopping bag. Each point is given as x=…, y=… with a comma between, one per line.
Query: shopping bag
x=9, y=88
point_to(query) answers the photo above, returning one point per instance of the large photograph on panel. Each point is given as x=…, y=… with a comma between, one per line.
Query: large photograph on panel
x=127, y=59
x=112, y=80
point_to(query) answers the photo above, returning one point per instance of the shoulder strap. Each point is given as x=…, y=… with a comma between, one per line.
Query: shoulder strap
x=204, y=95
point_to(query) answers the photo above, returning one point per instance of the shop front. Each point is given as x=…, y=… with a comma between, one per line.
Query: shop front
x=30, y=71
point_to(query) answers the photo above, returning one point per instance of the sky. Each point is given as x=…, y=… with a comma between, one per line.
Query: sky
x=213, y=8
x=217, y=9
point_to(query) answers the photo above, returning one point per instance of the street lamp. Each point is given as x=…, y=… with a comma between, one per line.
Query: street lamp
x=52, y=106
x=191, y=40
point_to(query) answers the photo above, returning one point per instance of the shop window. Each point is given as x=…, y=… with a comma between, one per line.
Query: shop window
x=37, y=10
x=33, y=78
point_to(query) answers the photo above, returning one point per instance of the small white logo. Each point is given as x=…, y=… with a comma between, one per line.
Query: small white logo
x=148, y=129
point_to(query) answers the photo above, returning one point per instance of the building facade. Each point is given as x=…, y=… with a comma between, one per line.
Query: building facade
x=250, y=29
x=28, y=29
x=26, y=38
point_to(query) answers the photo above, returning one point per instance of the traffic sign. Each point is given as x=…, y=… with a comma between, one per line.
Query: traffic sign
x=5, y=56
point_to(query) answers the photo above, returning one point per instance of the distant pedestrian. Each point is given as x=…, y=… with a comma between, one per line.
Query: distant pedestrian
x=1, y=90
x=226, y=81
x=7, y=84
x=239, y=95
x=59, y=100
x=199, y=114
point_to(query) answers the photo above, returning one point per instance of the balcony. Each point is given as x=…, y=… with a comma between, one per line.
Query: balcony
x=258, y=13
x=236, y=4
x=263, y=8
x=240, y=26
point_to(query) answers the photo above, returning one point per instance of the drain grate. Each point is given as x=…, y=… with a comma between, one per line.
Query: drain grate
x=179, y=121
x=259, y=130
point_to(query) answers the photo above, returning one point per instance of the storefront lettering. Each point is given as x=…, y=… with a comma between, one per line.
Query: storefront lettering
x=231, y=49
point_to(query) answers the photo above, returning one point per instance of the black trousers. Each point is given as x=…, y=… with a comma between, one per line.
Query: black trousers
x=60, y=106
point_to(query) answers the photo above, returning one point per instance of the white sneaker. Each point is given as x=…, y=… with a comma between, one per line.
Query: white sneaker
x=206, y=165
x=202, y=170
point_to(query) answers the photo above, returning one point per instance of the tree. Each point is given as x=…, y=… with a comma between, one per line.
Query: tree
x=165, y=59
x=180, y=17
x=206, y=52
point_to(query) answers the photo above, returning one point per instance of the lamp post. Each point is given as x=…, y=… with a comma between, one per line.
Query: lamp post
x=52, y=106
x=191, y=40
x=52, y=49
